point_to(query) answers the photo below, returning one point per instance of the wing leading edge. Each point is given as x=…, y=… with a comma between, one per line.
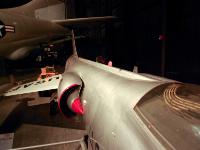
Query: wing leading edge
x=35, y=86
x=82, y=21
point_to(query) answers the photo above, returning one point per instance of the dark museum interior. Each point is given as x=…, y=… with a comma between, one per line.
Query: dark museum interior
x=161, y=37
x=99, y=74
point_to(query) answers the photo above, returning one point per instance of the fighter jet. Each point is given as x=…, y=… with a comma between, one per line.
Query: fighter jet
x=124, y=110
x=26, y=27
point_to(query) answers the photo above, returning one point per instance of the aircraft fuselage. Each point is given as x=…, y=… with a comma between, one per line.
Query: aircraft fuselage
x=17, y=31
x=109, y=96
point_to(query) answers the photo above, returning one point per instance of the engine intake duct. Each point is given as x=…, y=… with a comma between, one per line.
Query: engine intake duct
x=69, y=100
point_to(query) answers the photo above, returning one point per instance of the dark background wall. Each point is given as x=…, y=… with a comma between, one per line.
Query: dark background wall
x=155, y=35
x=183, y=29
x=135, y=40
x=12, y=3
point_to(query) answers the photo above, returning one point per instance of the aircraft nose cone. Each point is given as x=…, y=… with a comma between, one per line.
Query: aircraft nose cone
x=77, y=106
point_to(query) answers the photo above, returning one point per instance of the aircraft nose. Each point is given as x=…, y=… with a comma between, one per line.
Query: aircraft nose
x=77, y=106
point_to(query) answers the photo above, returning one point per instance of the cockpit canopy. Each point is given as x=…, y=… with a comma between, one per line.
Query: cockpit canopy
x=172, y=113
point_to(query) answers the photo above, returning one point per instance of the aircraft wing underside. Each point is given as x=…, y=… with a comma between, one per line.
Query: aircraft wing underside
x=35, y=86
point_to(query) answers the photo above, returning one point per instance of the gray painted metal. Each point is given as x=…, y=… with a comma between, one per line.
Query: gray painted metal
x=67, y=81
x=109, y=95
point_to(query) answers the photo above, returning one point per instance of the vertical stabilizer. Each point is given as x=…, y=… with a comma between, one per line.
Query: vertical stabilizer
x=74, y=57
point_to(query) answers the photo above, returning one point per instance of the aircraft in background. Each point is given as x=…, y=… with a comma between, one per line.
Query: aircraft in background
x=27, y=27
x=122, y=109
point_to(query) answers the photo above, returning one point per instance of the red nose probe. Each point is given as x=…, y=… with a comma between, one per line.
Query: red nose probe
x=77, y=106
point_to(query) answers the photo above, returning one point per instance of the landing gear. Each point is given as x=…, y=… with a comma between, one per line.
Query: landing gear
x=83, y=143
x=53, y=105
x=85, y=139
x=47, y=93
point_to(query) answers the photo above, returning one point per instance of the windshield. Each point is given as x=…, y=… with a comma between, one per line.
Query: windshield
x=172, y=113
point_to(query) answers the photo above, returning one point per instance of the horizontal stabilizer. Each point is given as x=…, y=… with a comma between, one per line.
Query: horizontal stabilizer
x=35, y=86
x=89, y=20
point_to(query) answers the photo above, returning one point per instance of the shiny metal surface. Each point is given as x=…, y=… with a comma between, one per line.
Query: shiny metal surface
x=68, y=80
x=109, y=96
